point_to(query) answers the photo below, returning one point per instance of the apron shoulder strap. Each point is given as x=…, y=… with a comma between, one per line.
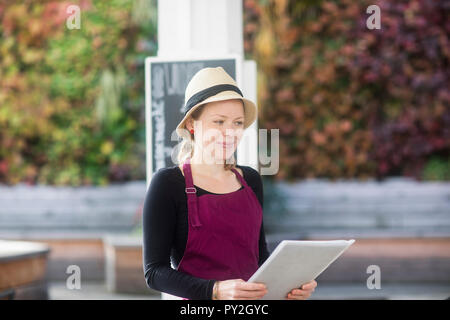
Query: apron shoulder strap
x=241, y=179
x=191, y=195
x=188, y=177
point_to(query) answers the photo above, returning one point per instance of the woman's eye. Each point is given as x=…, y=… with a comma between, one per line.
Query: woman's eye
x=239, y=123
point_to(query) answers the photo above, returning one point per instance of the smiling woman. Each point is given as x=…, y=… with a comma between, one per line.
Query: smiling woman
x=215, y=131
x=217, y=110
x=207, y=212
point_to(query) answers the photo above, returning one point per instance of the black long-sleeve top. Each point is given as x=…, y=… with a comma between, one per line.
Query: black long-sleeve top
x=165, y=228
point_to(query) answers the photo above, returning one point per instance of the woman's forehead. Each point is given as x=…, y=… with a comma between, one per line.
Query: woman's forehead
x=227, y=108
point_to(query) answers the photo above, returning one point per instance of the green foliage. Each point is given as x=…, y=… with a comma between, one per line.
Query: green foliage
x=437, y=168
x=72, y=101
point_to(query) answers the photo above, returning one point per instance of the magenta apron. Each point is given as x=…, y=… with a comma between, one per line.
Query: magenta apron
x=223, y=234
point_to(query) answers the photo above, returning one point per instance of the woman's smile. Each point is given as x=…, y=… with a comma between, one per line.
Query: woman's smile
x=226, y=145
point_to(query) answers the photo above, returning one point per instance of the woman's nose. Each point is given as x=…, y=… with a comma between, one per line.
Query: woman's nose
x=228, y=131
x=227, y=135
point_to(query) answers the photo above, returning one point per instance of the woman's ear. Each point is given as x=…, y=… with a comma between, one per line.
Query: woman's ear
x=189, y=124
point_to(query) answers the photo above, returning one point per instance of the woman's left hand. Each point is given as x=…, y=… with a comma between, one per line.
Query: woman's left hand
x=303, y=292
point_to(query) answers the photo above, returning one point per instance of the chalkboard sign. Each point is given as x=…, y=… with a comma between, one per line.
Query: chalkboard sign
x=165, y=84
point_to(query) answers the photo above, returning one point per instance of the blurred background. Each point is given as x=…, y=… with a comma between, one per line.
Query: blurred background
x=364, y=120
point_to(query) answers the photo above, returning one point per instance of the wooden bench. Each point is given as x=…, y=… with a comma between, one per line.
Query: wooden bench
x=23, y=269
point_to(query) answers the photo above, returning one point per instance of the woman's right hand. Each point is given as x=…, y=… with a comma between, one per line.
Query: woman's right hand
x=238, y=289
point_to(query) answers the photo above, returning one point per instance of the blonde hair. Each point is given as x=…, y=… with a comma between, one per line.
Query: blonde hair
x=187, y=144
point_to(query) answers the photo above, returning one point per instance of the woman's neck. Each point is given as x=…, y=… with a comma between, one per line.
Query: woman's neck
x=215, y=169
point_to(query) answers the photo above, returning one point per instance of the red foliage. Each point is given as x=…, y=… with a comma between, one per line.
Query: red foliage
x=349, y=101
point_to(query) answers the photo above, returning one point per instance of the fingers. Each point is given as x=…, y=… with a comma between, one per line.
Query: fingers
x=247, y=290
x=298, y=295
x=302, y=293
x=249, y=295
x=309, y=285
x=251, y=286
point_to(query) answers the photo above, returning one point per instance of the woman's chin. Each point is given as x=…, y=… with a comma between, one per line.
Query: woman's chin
x=225, y=155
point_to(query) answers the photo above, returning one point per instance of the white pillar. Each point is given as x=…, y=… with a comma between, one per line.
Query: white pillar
x=200, y=27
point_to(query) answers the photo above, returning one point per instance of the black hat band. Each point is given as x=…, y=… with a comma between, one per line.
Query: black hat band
x=209, y=92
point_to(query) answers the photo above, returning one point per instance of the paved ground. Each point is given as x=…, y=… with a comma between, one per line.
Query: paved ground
x=91, y=291
x=390, y=291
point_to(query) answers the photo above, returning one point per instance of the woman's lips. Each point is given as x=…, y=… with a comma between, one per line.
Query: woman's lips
x=226, y=145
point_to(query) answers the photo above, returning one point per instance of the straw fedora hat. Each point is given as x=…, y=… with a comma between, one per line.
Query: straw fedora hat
x=209, y=85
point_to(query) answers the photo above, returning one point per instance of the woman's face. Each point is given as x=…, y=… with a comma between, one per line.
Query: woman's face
x=219, y=129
